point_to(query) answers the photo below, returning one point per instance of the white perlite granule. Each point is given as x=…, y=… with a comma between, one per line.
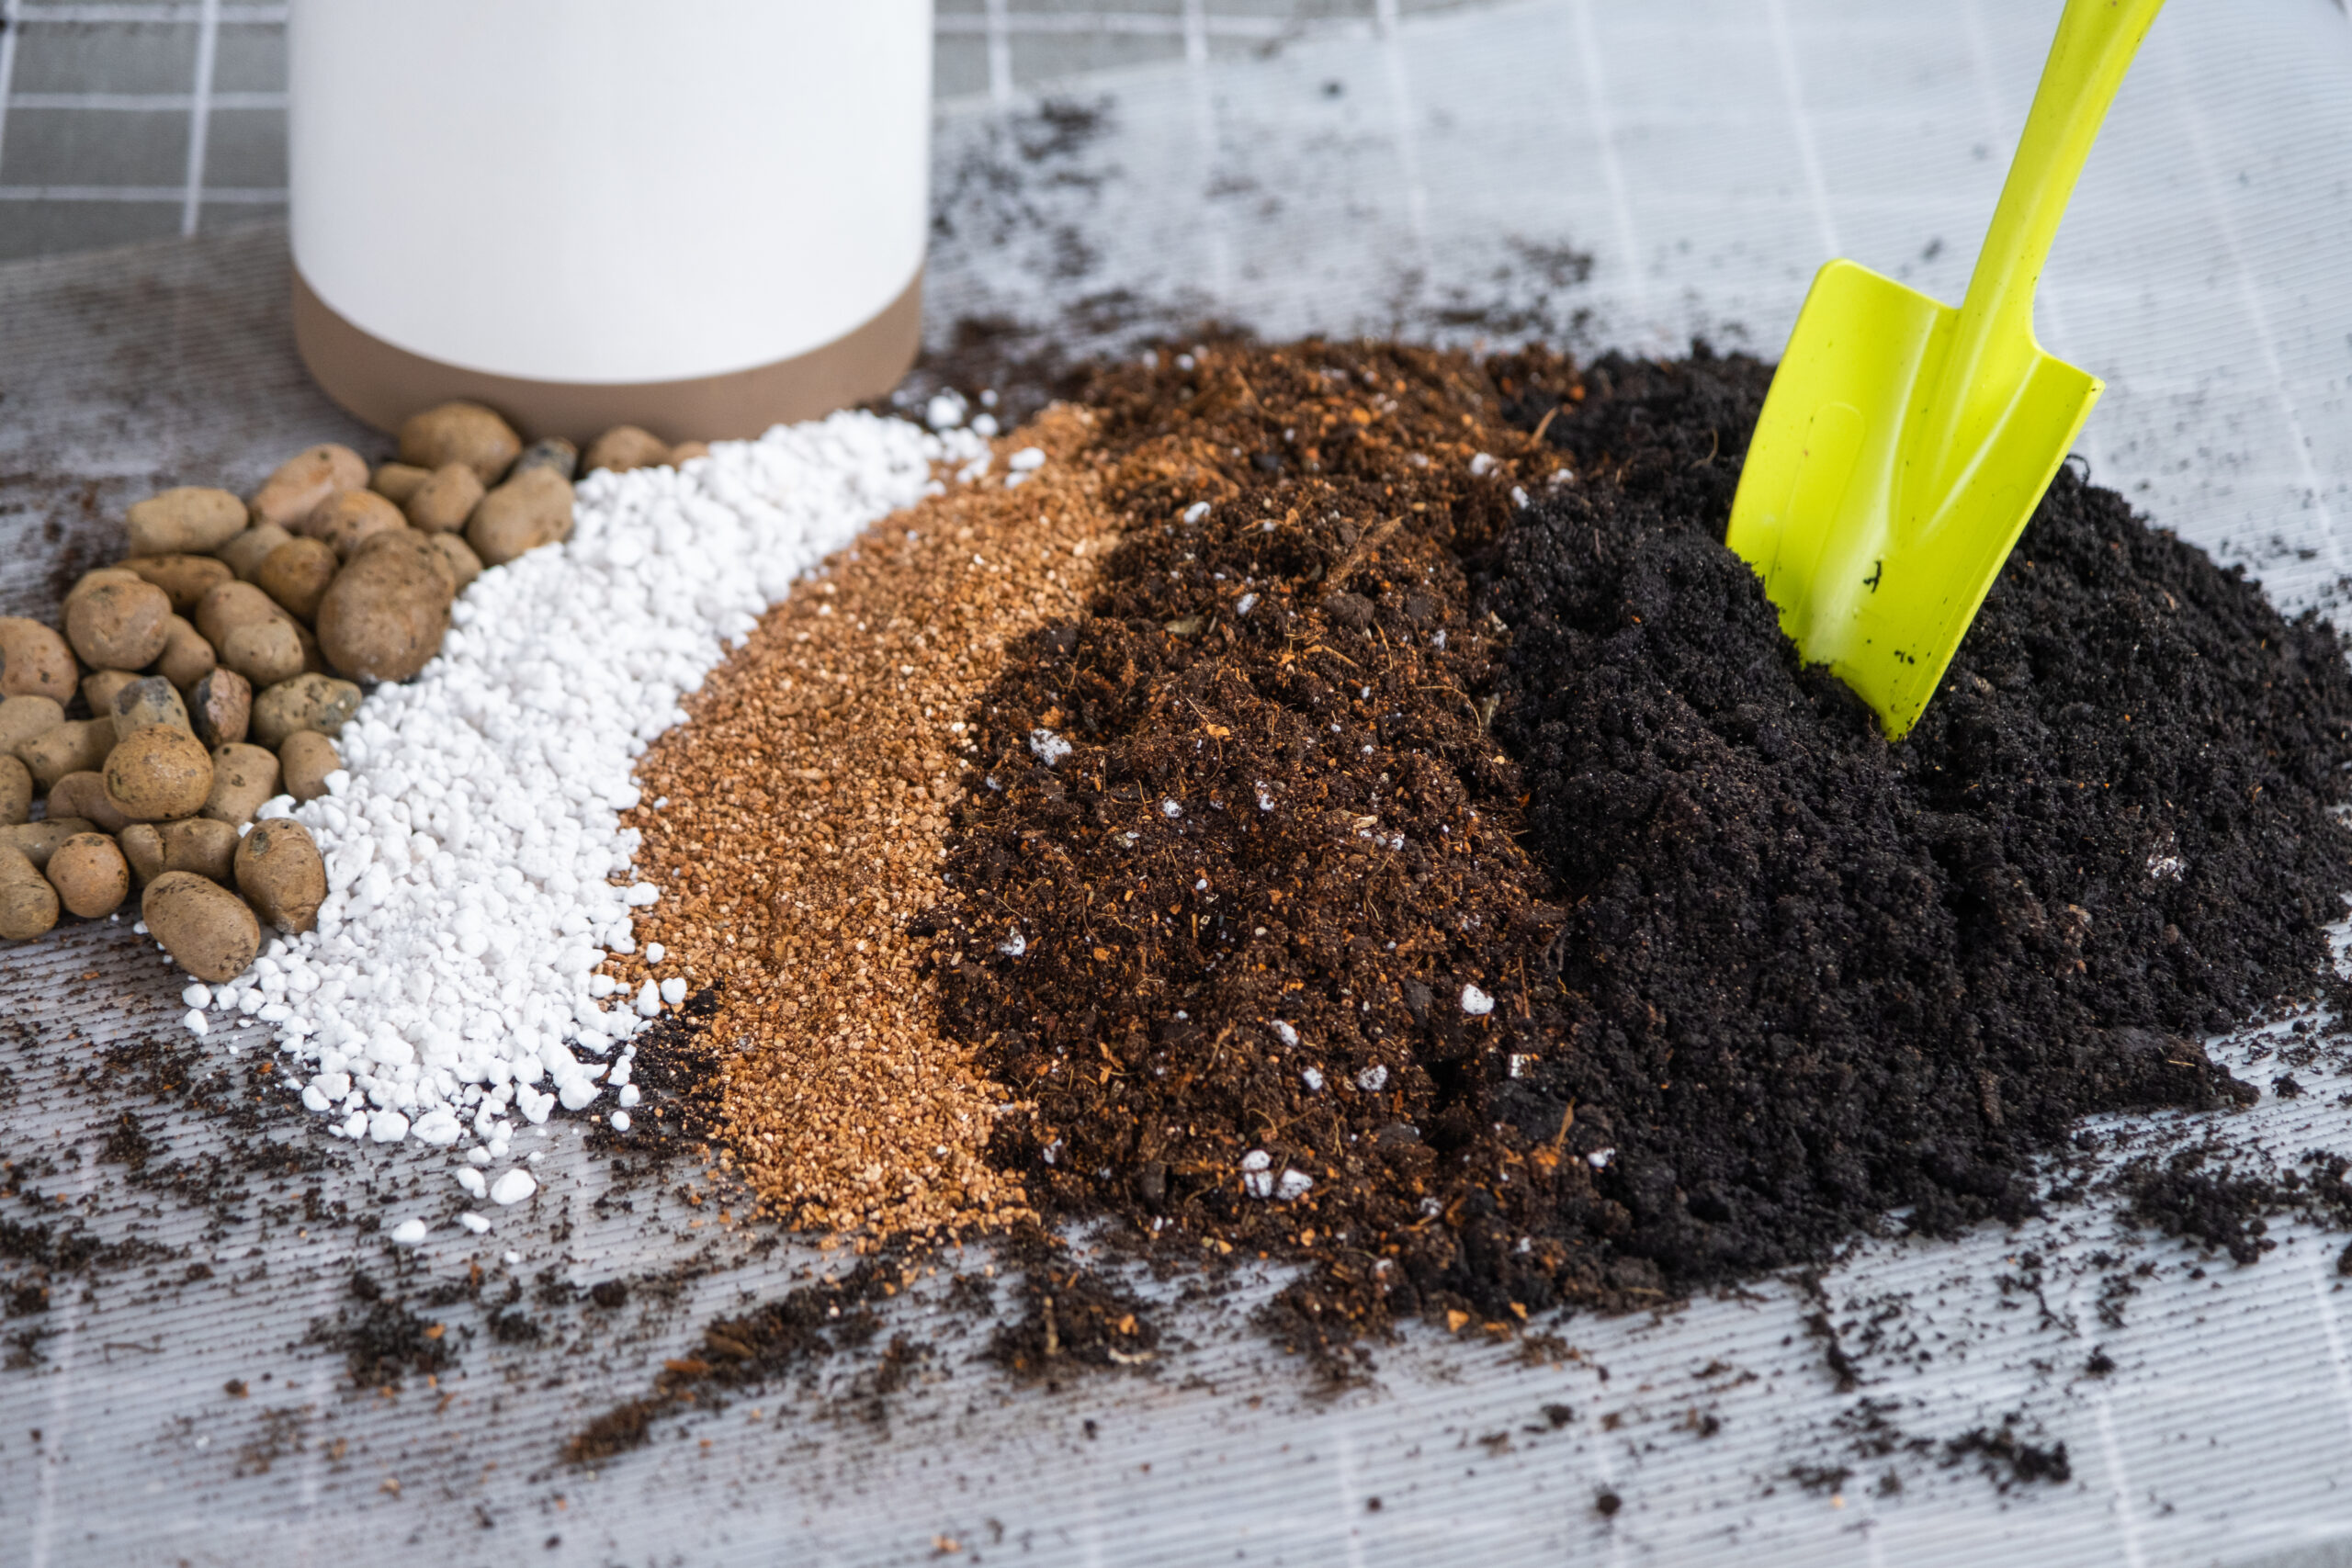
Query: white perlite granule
x=471, y=838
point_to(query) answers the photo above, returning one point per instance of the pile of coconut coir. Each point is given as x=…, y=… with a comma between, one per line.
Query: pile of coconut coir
x=794, y=823
x=1425, y=855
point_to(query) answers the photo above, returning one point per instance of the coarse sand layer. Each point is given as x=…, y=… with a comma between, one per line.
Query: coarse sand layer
x=794, y=824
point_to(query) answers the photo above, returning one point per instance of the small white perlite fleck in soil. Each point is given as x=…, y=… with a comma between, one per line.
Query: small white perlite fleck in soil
x=472, y=839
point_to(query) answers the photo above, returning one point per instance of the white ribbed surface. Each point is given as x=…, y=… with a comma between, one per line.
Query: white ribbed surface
x=2207, y=272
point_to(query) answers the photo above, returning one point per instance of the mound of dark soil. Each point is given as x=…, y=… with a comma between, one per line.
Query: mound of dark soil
x=1431, y=862
x=1814, y=977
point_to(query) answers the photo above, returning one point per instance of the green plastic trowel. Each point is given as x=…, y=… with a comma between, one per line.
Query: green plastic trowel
x=1904, y=444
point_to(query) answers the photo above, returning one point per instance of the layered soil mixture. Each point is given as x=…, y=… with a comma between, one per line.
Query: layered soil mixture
x=1347, y=805
x=1428, y=857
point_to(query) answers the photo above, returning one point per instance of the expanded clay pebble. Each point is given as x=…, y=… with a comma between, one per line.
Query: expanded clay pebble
x=76, y=746
x=230, y=605
x=159, y=773
x=399, y=482
x=90, y=875
x=187, y=657
x=281, y=874
x=796, y=831
x=204, y=845
x=263, y=652
x=623, y=447
x=184, y=520
x=100, y=687
x=84, y=794
x=34, y=660
x=141, y=700
x=471, y=838
x=309, y=701
x=119, y=626
x=16, y=792
x=244, y=779
x=35, y=840
x=459, y=432
x=221, y=707
x=296, y=574
x=306, y=759
x=27, y=902
x=534, y=508
x=184, y=580
x=385, y=614
x=26, y=718
x=446, y=499
x=245, y=554
x=306, y=481
x=349, y=520
x=207, y=930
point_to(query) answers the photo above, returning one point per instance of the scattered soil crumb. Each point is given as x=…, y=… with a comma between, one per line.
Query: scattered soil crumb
x=381, y=1341
x=753, y=1349
x=2010, y=1458
x=1071, y=1317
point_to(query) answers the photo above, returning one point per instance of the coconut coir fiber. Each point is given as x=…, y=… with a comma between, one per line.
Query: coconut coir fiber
x=1364, y=732
x=794, y=825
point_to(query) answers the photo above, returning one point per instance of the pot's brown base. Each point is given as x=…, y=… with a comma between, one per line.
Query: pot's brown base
x=383, y=385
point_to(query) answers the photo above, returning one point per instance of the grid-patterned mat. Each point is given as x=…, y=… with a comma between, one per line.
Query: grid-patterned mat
x=1705, y=153
x=136, y=119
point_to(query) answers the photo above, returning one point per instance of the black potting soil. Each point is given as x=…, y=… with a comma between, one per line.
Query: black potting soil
x=1812, y=976
x=1453, y=876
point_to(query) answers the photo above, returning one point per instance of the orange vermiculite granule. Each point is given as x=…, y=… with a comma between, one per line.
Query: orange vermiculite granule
x=806, y=807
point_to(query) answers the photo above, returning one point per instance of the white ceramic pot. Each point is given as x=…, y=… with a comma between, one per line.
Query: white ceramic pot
x=702, y=216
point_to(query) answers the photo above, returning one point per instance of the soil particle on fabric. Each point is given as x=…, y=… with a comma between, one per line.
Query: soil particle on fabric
x=751, y=1350
x=1425, y=855
x=681, y=1103
x=2010, y=1458
x=2222, y=1196
x=381, y=1341
x=793, y=826
x=1072, y=1318
x=2186, y=1195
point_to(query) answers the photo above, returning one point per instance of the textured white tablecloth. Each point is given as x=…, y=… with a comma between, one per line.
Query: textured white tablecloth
x=1707, y=154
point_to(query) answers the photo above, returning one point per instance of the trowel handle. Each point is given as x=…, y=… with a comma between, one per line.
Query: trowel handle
x=1991, y=342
